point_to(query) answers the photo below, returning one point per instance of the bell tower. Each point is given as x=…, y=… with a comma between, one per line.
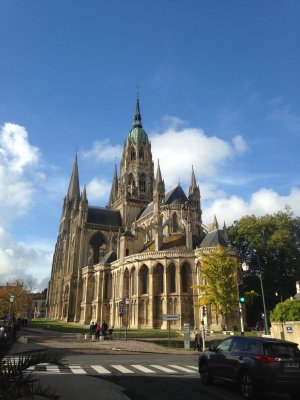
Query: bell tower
x=135, y=187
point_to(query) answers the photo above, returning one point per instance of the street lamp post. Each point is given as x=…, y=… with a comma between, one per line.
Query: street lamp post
x=262, y=295
x=11, y=300
x=245, y=268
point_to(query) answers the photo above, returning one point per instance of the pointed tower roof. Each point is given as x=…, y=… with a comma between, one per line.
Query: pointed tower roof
x=137, y=122
x=84, y=196
x=193, y=184
x=74, y=190
x=137, y=135
x=158, y=175
x=114, y=188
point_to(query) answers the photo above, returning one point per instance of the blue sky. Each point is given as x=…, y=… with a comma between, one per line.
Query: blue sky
x=219, y=89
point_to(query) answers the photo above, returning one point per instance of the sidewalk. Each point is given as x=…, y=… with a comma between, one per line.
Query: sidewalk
x=31, y=340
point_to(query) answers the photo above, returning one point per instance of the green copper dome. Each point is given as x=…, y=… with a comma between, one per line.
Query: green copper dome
x=137, y=135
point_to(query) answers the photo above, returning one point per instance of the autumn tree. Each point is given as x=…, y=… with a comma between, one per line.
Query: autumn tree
x=270, y=245
x=22, y=299
x=219, y=274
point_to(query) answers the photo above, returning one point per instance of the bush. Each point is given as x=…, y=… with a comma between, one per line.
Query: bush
x=288, y=310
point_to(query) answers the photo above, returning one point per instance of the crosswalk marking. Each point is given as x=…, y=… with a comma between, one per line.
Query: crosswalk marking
x=193, y=367
x=52, y=368
x=76, y=369
x=182, y=368
x=112, y=368
x=100, y=369
x=143, y=369
x=122, y=369
x=164, y=369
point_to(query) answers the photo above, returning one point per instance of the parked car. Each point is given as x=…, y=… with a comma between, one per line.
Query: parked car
x=254, y=364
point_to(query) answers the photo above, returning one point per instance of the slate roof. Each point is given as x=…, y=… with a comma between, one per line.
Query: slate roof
x=212, y=239
x=173, y=196
x=104, y=216
x=109, y=257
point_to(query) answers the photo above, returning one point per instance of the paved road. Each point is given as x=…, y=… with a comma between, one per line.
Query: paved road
x=124, y=371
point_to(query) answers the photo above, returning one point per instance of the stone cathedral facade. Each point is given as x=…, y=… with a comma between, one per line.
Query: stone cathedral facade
x=140, y=251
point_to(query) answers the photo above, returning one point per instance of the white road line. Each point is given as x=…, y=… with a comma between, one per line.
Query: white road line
x=122, y=369
x=193, y=367
x=76, y=369
x=143, y=369
x=53, y=368
x=100, y=369
x=164, y=369
x=182, y=369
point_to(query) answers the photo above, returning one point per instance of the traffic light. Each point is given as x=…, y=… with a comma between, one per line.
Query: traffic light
x=241, y=292
x=203, y=311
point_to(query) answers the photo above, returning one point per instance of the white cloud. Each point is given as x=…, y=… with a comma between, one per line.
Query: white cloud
x=264, y=201
x=98, y=190
x=178, y=149
x=103, y=151
x=26, y=262
x=15, y=149
x=17, y=157
x=19, y=176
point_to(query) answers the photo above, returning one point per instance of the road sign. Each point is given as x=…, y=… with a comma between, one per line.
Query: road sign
x=171, y=317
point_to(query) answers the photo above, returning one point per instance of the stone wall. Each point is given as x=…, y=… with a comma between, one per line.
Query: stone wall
x=289, y=330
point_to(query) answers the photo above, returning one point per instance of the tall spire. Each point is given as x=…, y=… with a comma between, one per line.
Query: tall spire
x=74, y=190
x=158, y=175
x=114, y=188
x=137, y=122
x=193, y=184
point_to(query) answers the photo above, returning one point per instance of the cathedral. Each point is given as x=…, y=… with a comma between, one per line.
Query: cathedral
x=136, y=260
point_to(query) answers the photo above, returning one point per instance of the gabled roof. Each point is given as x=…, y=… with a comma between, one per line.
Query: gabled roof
x=104, y=216
x=212, y=239
x=174, y=196
x=109, y=258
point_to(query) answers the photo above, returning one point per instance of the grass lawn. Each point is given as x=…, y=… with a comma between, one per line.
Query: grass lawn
x=70, y=327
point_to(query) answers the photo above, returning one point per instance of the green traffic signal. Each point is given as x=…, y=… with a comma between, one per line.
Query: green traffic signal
x=241, y=293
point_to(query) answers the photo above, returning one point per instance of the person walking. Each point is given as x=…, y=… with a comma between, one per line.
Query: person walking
x=198, y=344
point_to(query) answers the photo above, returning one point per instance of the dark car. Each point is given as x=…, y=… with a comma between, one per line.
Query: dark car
x=254, y=364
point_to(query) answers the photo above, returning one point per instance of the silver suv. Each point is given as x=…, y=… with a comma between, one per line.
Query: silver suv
x=253, y=363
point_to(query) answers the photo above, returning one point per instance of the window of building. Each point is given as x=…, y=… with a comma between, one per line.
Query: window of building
x=132, y=154
x=172, y=280
x=141, y=154
x=174, y=223
x=144, y=279
x=142, y=183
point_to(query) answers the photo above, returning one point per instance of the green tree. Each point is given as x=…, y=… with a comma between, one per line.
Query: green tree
x=288, y=310
x=270, y=245
x=20, y=307
x=219, y=269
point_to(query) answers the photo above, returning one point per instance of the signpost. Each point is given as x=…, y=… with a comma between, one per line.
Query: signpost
x=186, y=335
x=127, y=302
x=171, y=317
x=121, y=311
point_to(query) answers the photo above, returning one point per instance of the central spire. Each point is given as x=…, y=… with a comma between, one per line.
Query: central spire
x=137, y=122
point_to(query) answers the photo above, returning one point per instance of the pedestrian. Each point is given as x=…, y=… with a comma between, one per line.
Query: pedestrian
x=92, y=329
x=198, y=344
x=104, y=327
x=97, y=330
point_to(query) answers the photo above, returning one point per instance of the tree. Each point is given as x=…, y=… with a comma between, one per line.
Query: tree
x=270, y=245
x=219, y=273
x=20, y=307
x=288, y=310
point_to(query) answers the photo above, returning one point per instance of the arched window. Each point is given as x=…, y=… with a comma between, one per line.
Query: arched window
x=172, y=278
x=185, y=284
x=174, y=223
x=142, y=184
x=132, y=154
x=95, y=243
x=158, y=279
x=141, y=154
x=144, y=280
x=127, y=252
x=133, y=277
x=131, y=180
